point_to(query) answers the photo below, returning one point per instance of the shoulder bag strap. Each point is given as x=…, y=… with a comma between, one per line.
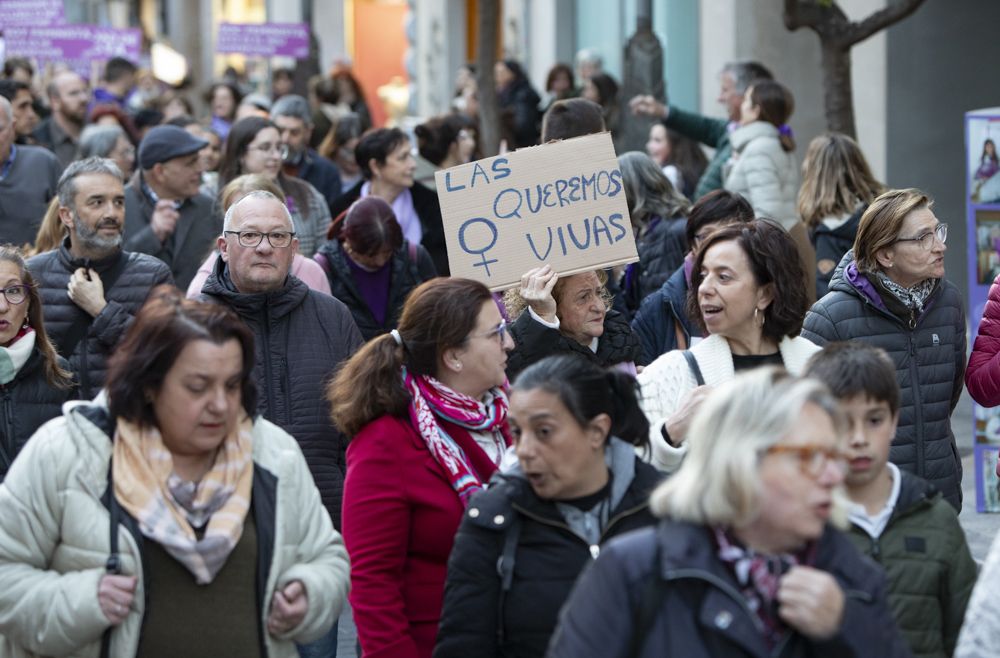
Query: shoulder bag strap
x=114, y=562
x=505, y=569
x=693, y=364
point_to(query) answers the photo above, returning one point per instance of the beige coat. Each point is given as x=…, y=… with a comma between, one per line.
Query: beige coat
x=54, y=544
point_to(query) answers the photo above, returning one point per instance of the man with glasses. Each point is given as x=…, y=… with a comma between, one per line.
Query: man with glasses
x=90, y=287
x=165, y=213
x=300, y=335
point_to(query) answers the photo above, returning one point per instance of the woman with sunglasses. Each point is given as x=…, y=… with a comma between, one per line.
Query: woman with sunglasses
x=890, y=291
x=426, y=407
x=746, y=561
x=34, y=380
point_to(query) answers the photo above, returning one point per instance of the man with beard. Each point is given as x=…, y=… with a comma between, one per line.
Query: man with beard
x=91, y=288
x=28, y=177
x=68, y=97
x=293, y=117
x=165, y=214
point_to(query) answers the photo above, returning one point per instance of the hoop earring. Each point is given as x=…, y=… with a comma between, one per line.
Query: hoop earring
x=756, y=313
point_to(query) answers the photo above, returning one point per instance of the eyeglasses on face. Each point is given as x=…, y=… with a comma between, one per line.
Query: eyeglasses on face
x=499, y=331
x=812, y=458
x=926, y=239
x=250, y=239
x=15, y=294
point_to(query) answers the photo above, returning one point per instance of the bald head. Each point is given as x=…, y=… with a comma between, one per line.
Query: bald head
x=8, y=111
x=6, y=129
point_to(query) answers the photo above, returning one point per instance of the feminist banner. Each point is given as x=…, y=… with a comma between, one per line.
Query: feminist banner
x=73, y=44
x=14, y=13
x=264, y=39
x=561, y=204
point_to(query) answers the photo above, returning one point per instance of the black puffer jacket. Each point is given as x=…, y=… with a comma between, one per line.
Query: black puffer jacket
x=411, y=266
x=549, y=557
x=26, y=403
x=930, y=366
x=52, y=271
x=533, y=341
x=661, y=249
x=427, y=207
x=300, y=337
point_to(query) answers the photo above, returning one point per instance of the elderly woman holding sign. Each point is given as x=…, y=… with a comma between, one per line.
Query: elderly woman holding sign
x=571, y=314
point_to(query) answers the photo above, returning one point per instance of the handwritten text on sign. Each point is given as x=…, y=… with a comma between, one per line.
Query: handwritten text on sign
x=560, y=204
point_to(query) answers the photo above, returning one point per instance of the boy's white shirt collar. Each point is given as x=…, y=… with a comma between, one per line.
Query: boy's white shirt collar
x=875, y=524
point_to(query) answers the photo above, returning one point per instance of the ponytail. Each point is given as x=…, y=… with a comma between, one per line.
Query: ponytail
x=368, y=386
x=628, y=422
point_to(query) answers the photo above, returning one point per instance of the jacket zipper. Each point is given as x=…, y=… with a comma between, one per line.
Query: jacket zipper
x=918, y=416
x=7, y=440
x=266, y=351
x=595, y=549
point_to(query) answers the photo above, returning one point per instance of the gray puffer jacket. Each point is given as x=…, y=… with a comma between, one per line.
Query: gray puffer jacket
x=930, y=366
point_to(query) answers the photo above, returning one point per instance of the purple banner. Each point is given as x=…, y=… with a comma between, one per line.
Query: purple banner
x=68, y=43
x=31, y=13
x=264, y=39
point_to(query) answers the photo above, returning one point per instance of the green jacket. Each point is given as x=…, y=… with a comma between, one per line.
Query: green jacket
x=710, y=132
x=928, y=566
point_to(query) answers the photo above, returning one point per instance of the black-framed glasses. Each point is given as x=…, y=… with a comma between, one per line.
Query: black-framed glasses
x=250, y=239
x=15, y=294
x=812, y=458
x=926, y=239
x=499, y=331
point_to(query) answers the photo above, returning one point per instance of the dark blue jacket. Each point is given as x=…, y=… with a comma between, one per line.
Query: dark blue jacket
x=661, y=249
x=322, y=174
x=655, y=323
x=701, y=612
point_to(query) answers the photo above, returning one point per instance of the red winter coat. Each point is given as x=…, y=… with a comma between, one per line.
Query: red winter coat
x=982, y=377
x=400, y=518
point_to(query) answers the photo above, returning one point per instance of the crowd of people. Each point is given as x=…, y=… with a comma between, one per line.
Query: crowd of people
x=243, y=397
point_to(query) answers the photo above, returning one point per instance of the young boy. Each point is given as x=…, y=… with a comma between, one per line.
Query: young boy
x=897, y=518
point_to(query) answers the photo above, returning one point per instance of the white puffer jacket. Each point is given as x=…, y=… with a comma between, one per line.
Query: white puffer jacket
x=665, y=381
x=763, y=172
x=54, y=543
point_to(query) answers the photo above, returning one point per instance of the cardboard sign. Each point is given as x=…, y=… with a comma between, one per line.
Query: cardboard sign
x=264, y=39
x=561, y=204
x=28, y=13
x=69, y=43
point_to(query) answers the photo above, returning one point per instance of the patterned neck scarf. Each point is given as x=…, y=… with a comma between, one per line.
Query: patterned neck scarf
x=759, y=577
x=912, y=298
x=14, y=356
x=199, y=524
x=433, y=399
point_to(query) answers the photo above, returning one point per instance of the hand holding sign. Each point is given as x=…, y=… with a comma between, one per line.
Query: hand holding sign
x=536, y=291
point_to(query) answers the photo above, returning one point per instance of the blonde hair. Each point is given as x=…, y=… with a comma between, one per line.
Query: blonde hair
x=51, y=232
x=240, y=186
x=516, y=305
x=881, y=223
x=835, y=179
x=717, y=484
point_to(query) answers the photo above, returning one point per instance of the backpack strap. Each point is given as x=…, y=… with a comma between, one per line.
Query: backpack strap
x=114, y=562
x=505, y=569
x=321, y=258
x=693, y=365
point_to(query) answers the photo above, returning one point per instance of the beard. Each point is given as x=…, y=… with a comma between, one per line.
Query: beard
x=91, y=240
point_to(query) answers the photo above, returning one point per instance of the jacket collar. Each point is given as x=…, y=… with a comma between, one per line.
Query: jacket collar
x=847, y=278
x=278, y=303
x=745, y=134
x=72, y=263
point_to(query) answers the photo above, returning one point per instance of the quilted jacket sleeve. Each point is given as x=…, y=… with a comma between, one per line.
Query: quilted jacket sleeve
x=818, y=325
x=983, y=375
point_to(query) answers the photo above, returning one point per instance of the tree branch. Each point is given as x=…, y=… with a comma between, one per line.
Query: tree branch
x=881, y=19
x=812, y=14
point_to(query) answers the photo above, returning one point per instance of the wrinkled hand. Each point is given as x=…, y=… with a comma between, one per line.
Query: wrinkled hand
x=811, y=602
x=679, y=424
x=86, y=290
x=115, y=595
x=288, y=608
x=647, y=106
x=164, y=219
x=536, y=291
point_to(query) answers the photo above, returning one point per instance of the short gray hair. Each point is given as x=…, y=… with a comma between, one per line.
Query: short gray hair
x=66, y=189
x=291, y=105
x=99, y=140
x=746, y=73
x=592, y=57
x=718, y=482
x=227, y=223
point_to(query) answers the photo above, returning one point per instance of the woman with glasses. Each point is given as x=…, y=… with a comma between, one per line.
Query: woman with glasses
x=661, y=323
x=577, y=483
x=890, y=291
x=254, y=147
x=567, y=315
x=746, y=561
x=748, y=296
x=34, y=380
x=426, y=407
x=370, y=267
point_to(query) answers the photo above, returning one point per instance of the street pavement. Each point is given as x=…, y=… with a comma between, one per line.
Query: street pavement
x=979, y=528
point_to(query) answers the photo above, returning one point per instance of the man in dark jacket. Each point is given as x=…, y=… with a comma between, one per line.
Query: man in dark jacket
x=300, y=335
x=165, y=213
x=60, y=133
x=91, y=288
x=293, y=117
x=28, y=179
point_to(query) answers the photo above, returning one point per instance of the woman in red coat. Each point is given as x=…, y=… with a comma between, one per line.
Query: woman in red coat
x=426, y=406
x=982, y=377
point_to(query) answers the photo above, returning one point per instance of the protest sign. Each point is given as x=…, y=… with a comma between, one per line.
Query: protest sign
x=73, y=43
x=264, y=39
x=561, y=204
x=27, y=13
